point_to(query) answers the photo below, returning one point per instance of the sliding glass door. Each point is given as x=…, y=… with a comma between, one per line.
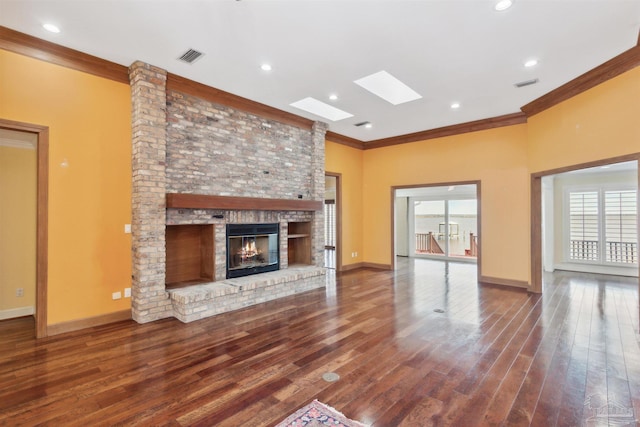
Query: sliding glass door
x=444, y=227
x=463, y=228
x=428, y=215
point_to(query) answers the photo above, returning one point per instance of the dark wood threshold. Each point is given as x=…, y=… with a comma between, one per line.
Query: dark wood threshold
x=202, y=201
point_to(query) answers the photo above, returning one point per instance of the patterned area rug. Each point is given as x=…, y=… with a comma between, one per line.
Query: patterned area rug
x=317, y=414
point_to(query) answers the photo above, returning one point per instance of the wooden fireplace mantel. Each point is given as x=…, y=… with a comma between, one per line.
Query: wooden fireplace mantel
x=203, y=201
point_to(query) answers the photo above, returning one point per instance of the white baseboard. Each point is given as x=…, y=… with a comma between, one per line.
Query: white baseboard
x=16, y=312
x=598, y=269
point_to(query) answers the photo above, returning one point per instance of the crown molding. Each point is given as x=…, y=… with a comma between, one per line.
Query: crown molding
x=610, y=69
x=475, y=126
x=24, y=44
x=344, y=140
x=190, y=87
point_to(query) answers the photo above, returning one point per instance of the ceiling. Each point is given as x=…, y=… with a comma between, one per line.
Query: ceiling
x=445, y=50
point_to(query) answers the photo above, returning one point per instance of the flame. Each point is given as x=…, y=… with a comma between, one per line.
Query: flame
x=249, y=250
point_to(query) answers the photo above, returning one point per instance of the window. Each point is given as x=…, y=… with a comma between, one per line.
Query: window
x=602, y=226
x=330, y=223
x=583, y=226
x=620, y=226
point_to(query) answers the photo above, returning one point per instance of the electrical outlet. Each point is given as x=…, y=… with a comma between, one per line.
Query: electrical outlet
x=127, y=292
x=127, y=228
x=116, y=295
x=19, y=292
x=356, y=254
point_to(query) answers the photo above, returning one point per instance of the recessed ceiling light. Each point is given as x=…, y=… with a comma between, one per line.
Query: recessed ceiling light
x=531, y=63
x=503, y=5
x=388, y=88
x=368, y=125
x=333, y=97
x=455, y=105
x=51, y=28
x=319, y=108
x=265, y=67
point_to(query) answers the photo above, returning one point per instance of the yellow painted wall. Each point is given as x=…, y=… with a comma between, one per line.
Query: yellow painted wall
x=17, y=227
x=348, y=162
x=89, y=179
x=496, y=157
x=90, y=175
x=600, y=123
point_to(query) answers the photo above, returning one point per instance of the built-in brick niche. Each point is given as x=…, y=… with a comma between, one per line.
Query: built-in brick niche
x=190, y=254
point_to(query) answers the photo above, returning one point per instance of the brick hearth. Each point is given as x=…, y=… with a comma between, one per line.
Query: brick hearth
x=204, y=300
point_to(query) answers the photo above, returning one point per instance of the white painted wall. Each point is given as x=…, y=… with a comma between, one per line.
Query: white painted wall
x=402, y=226
x=548, y=226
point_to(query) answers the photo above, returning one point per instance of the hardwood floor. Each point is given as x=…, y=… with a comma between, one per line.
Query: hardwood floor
x=493, y=357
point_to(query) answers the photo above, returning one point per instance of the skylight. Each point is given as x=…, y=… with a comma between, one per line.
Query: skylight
x=388, y=88
x=319, y=108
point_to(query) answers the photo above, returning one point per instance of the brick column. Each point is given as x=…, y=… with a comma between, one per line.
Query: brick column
x=318, y=133
x=149, y=299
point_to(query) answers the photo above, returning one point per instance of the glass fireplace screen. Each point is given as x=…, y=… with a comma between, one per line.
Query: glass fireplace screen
x=254, y=250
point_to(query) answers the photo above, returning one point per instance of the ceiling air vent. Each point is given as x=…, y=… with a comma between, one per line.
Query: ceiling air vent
x=527, y=83
x=190, y=56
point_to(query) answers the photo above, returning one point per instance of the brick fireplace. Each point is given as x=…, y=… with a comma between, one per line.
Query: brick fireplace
x=199, y=166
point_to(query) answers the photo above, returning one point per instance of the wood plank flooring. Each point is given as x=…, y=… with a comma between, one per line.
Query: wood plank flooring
x=493, y=357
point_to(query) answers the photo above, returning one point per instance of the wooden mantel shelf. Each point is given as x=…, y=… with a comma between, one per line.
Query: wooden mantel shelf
x=202, y=201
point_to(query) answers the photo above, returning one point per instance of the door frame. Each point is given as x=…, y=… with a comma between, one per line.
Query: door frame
x=42, y=223
x=477, y=183
x=536, y=212
x=338, y=177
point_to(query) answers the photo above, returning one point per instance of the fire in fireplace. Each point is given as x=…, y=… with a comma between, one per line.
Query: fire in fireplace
x=252, y=249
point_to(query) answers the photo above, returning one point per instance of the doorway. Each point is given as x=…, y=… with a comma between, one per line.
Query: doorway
x=332, y=216
x=40, y=135
x=544, y=254
x=437, y=221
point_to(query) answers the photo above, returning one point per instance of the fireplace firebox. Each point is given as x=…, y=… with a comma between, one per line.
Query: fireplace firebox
x=252, y=249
